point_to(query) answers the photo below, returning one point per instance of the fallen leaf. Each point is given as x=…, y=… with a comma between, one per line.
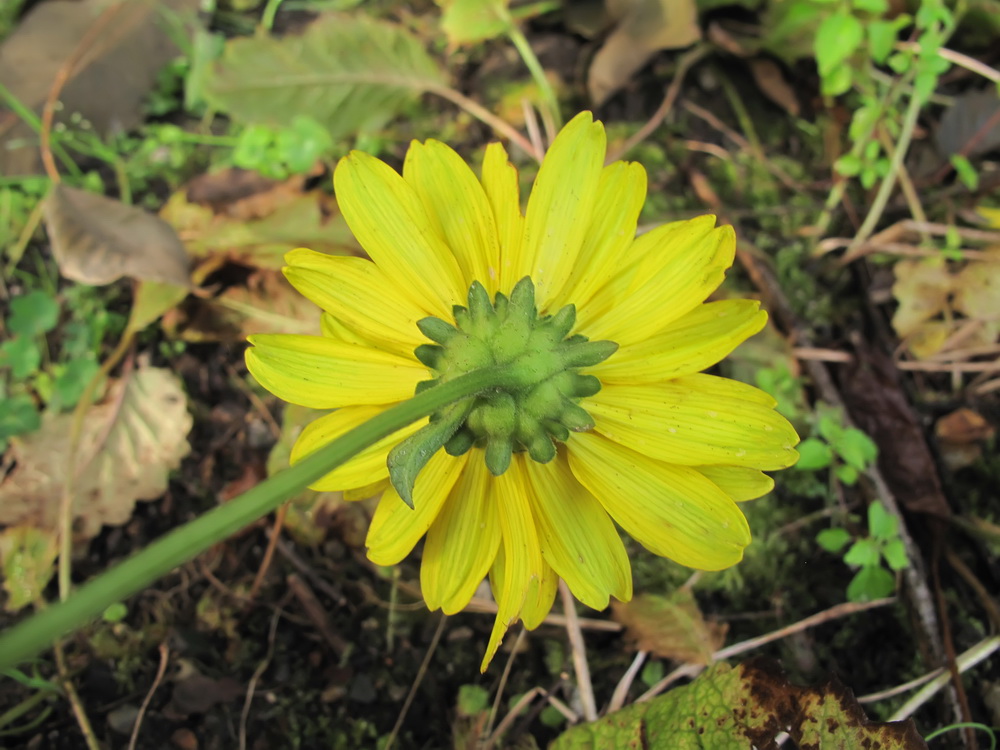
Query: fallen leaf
x=672, y=627
x=771, y=81
x=922, y=288
x=151, y=300
x=959, y=435
x=109, y=82
x=27, y=557
x=740, y=707
x=129, y=444
x=350, y=73
x=644, y=28
x=97, y=240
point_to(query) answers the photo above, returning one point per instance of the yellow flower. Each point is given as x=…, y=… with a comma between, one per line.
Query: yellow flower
x=660, y=449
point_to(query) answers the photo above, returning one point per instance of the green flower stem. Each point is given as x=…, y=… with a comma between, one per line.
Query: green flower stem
x=537, y=73
x=27, y=639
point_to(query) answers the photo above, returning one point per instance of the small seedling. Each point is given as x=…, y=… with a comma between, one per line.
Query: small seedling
x=882, y=547
x=847, y=450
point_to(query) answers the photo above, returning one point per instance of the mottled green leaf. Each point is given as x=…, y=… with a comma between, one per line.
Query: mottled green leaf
x=741, y=707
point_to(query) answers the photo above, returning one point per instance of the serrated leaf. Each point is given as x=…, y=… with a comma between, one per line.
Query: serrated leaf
x=740, y=707
x=833, y=540
x=128, y=445
x=671, y=627
x=813, y=454
x=352, y=74
x=871, y=583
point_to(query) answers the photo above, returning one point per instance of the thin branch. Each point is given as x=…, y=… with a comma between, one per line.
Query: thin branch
x=580, y=665
x=160, y=671
x=482, y=114
x=416, y=683
x=622, y=688
x=495, y=708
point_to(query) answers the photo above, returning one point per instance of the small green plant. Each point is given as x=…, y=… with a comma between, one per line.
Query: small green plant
x=847, y=450
x=870, y=555
x=277, y=153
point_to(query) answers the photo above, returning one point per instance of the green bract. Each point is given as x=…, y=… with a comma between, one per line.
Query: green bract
x=543, y=361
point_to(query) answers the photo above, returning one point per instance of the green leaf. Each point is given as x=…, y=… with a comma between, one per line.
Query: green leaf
x=855, y=447
x=472, y=699
x=814, y=454
x=22, y=355
x=833, y=540
x=882, y=525
x=871, y=583
x=115, y=613
x=470, y=21
x=894, y=553
x=33, y=313
x=965, y=171
x=878, y=7
x=837, y=38
x=351, y=74
x=18, y=415
x=846, y=474
x=881, y=39
x=740, y=707
x=302, y=145
x=254, y=147
x=70, y=381
x=863, y=553
x=27, y=556
x=848, y=165
x=410, y=456
x=838, y=81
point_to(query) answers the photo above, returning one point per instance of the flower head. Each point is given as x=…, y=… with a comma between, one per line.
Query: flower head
x=609, y=421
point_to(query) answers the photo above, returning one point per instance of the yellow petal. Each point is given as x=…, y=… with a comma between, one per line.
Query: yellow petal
x=620, y=195
x=523, y=566
x=690, y=344
x=463, y=540
x=561, y=205
x=396, y=528
x=322, y=373
x=501, y=187
x=683, y=423
x=456, y=200
x=365, y=468
x=356, y=494
x=677, y=267
x=335, y=329
x=541, y=596
x=389, y=220
x=671, y=510
x=360, y=295
x=578, y=539
x=738, y=482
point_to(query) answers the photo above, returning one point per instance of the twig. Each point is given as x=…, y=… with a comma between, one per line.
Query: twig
x=160, y=671
x=495, y=708
x=257, y=674
x=272, y=541
x=531, y=125
x=965, y=661
x=316, y=614
x=833, y=613
x=79, y=712
x=482, y=114
x=900, y=689
x=686, y=62
x=579, y=650
x=622, y=688
x=963, y=61
x=416, y=683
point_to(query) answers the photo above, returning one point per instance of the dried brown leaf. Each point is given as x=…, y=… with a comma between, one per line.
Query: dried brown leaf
x=645, y=27
x=97, y=240
x=128, y=445
x=771, y=81
x=671, y=627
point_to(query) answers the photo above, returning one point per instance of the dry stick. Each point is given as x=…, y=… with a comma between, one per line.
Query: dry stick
x=622, y=688
x=488, y=732
x=686, y=62
x=482, y=114
x=963, y=61
x=272, y=542
x=531, y=125
x=416, y=683
x=317, y=614
x=519, y=707
x=906, y=687
x=74, y=699
x=160, y=671
x=834, y=613
x=257, y=674
x=580, y=665
x=965, y=661
x=63, y=75
x=986, y=601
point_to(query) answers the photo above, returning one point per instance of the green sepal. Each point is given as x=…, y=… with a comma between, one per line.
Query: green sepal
x=425, y=385
x=588, y=353
x=410, y=456
x=576, y=418
x=541, y=448
x=429, y=355
x=559, y=325
x=480, y=309
x=498, y=453
x=557, y=430
x=585, y=385
x=460, y=443
x=437, y=330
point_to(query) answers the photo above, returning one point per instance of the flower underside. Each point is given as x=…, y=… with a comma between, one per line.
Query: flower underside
x=539, y=405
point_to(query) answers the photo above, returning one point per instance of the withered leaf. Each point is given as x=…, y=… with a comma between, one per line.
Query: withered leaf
x=671, y=627
x=97, y=240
